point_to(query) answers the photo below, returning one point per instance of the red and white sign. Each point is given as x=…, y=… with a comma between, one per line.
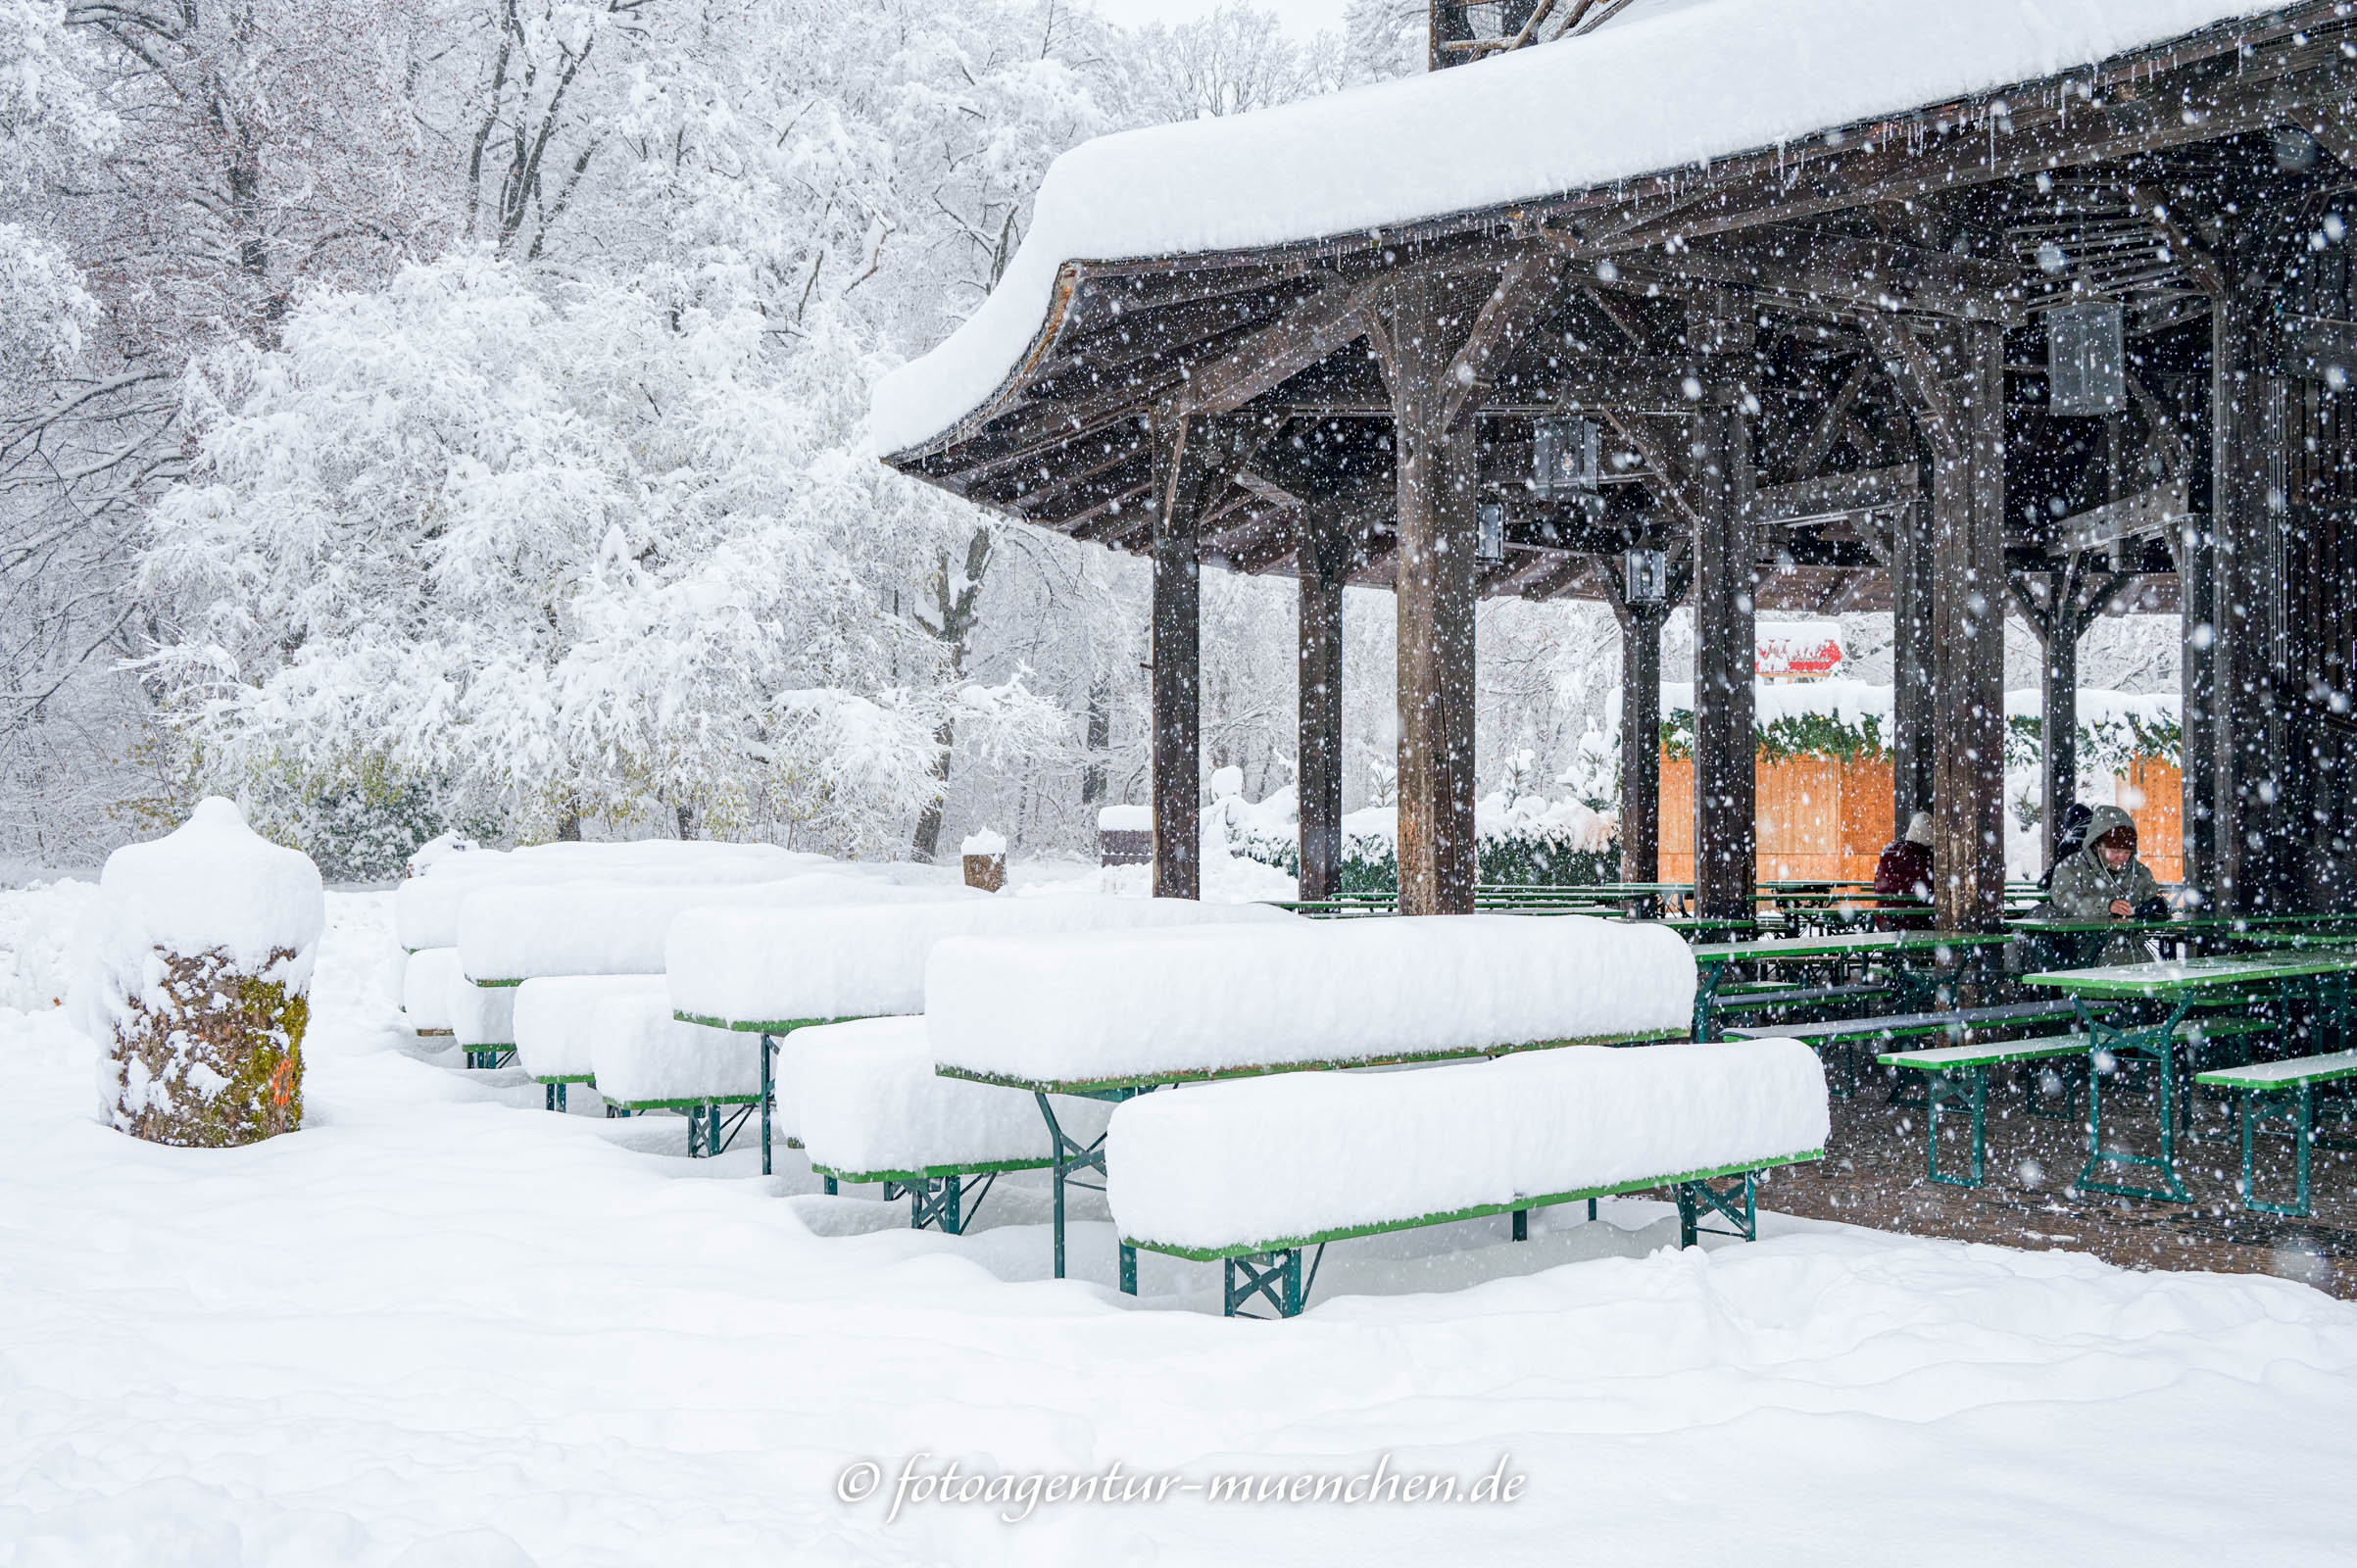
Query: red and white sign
x=1783, y=650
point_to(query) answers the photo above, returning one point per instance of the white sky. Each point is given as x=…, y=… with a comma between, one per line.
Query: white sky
x=1302, y=18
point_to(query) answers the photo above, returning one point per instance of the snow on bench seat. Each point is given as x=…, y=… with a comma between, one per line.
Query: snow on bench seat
x=1229, y=1169
x=643, y=1057
x=1117, y=1008
x=771, y=969
x=873, y=1108
x=426, y=908
x=556, y=1021
x=425, y=982
x=511, y=934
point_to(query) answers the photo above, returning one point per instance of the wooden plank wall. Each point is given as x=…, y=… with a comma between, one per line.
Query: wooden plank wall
x=1819, y=819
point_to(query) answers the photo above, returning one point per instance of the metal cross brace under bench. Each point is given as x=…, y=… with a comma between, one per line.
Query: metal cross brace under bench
x=1072, y=1158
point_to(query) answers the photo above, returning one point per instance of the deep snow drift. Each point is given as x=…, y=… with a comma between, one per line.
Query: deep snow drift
x=440, y=1329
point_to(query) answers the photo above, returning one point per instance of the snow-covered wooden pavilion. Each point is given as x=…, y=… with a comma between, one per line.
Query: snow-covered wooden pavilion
x=1927, y=305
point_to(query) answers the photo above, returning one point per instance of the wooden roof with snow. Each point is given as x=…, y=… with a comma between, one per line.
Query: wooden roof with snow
x=1848, y=175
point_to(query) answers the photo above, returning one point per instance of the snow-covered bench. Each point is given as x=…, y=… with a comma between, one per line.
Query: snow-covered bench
x=770, y=971
x=511, y=933
x=643, y=1059
x=556, y=1021
x=872, y=1109
x=425, y=982
x=426, y=908
x=1255, y=1175
x=1111, y=1014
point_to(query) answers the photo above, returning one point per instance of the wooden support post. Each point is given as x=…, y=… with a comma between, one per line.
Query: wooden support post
x=2197, y=555
x=1639, y=740
x=1185, y=479
x=1968, y=618
x=1322, y=560
x=1415, y=339
x=1726, y=574
x=2252, y=854
x=1911, y=744
x=2058, y=719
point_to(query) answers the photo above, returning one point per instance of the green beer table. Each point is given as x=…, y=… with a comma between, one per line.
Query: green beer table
x=2175, y=987
x=1891, y=950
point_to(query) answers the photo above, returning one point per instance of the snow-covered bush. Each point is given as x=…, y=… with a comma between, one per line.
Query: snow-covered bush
x=192, y=971
x=1523, y=838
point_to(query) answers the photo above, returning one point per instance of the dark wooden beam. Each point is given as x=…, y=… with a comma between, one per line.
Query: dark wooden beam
x=1279, y=352
x=1724, y=552
x=1528, y=292
x=1968, y=641
x=1323, y=560
x=1834, y=494
x=1857, y=275
x=1415, y=337
x=1193, y=458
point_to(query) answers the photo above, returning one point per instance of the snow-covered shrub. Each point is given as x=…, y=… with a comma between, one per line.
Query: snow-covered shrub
x=193, y=973
x=1525, y=839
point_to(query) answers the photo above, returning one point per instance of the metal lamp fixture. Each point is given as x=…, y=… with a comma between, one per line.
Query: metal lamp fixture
x=1565, y=457
x=1646, y=576
x=2087, y=359
x=1489, y=539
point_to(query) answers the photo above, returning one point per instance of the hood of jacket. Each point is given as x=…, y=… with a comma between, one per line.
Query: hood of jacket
x=2104, y=819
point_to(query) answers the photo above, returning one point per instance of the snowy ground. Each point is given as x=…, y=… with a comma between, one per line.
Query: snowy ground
x=443, y=1329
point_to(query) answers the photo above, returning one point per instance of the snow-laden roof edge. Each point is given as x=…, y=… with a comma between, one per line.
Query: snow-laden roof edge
x=1683, y=87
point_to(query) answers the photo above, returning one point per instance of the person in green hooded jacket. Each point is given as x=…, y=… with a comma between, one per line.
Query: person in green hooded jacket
x=2105, y=881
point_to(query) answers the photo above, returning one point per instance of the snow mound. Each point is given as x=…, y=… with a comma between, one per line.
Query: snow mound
x=427, y=906
x=769, y=966
x=212, y=884
x=639, y=1053
x=556, y=1021
x=868, y=1103
x=1288, y=1157
x=1130, y=1005
x=518, y=933
x=425, y=982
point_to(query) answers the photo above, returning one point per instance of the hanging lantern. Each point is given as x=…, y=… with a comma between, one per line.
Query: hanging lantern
x=1564, y=456
x=1646, y=576
x=1489, y=540
x=2087, y=359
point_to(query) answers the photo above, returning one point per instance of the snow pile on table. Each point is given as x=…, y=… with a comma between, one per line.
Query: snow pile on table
x=556, y=1021
x=426, y=988
x=1125, y=820
x=518, y=933
x=480, y=1016
x=426, y=907
x=771, y=966
x=869, y=1104
x=193, y=966
x=1288, y=1157
x=1131, y=1005
x=1678, y=87
x=639, y=1053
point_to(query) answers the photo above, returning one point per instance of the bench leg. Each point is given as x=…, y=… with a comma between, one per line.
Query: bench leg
x=940, y=1200
x=1522, y=1224
x=1272, y=1277
x=2301, y=1114
x=1938, y=1089
x=768, y=1094
x=2155, y=1045
x=1736, y=1202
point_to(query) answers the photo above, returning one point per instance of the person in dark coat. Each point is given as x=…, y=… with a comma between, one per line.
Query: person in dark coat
x=1904, y=873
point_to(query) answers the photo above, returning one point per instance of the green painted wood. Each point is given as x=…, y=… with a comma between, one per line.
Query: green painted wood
x=1845, y=945
x=567, y=1078
x=1938, y=1059
x=693, y=1103
x=759, y=1026
x=2272, y=1075
x=1204, y=1254
x=2181, y=977
x=1199, y=1075
x=929, y=1172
